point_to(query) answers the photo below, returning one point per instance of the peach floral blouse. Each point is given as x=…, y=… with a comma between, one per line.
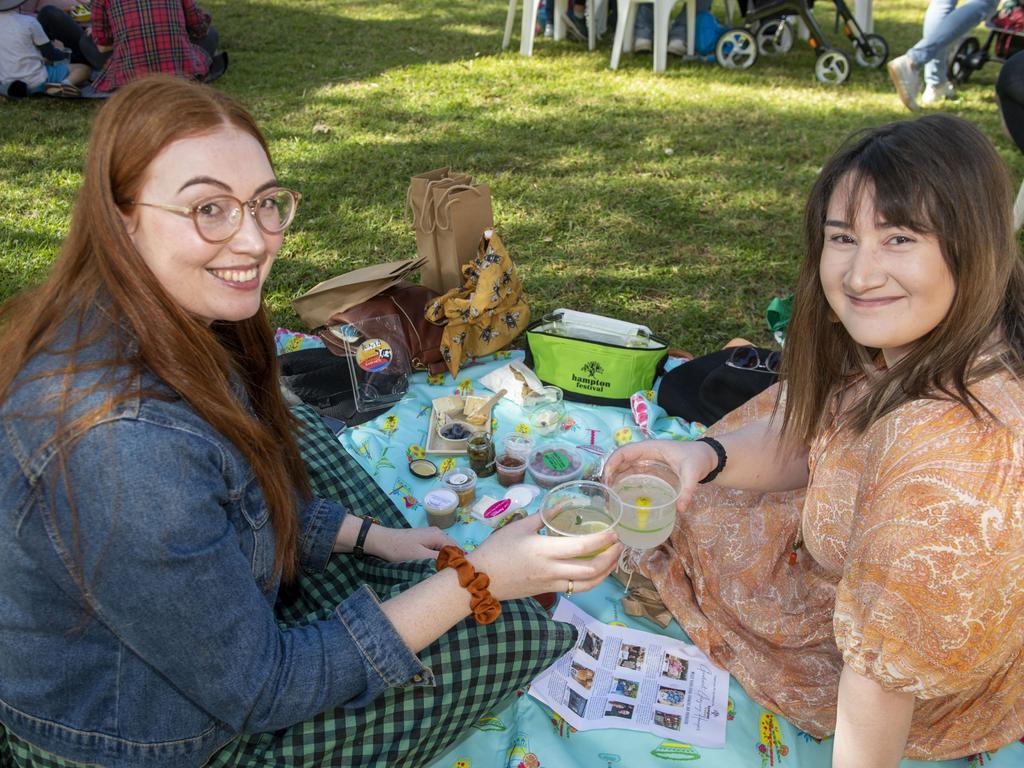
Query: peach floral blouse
x=911, y=572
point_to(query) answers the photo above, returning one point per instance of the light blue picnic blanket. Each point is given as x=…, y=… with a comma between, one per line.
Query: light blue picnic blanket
x=527, y=734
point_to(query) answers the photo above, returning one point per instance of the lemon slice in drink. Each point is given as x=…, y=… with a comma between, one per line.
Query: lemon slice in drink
x=642, y=509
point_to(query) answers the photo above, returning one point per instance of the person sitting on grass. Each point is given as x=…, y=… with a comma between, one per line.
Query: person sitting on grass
x=153, y=36
x=154, y=499
x=850, y=543
x=29, y=62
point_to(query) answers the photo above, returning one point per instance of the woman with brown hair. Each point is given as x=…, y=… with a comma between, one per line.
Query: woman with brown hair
x=154, y=499
x=851, y=545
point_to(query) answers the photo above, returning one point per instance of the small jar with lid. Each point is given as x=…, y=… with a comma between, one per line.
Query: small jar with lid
x=441, y=505
x=480, y=449
x=462, y=480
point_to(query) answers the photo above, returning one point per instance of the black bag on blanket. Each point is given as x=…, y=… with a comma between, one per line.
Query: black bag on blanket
x=321, y=380
x=708, y=387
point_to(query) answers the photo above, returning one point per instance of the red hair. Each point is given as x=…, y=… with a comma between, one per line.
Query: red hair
x=99, y=266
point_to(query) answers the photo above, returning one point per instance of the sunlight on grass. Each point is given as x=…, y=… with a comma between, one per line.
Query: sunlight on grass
x=675, y=200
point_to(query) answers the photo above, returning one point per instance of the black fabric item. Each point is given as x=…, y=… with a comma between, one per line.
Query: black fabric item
x=705, y=389
x=322, y=380
x=1010, y=92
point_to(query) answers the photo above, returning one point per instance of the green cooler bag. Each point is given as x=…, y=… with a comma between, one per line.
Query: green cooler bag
x=594, y=359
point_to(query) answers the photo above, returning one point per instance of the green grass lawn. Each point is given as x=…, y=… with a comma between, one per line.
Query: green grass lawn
x=673, y=200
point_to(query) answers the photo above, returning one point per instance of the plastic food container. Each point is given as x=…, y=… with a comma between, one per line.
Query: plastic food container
x=554, y=463
x=511, y=469
x=441, y=505
x=462, y=480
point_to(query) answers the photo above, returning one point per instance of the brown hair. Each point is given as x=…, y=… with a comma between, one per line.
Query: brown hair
x=938, y=175
x=100, y=281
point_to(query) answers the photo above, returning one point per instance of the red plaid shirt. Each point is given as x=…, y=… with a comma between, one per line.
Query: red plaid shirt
x=149, y=36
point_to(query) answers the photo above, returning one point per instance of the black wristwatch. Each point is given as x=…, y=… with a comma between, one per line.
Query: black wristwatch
x=364, y=529
x=722, y=458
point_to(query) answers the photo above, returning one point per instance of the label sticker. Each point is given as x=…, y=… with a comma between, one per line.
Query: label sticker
x=497, y=508
x=556, y=460
x=374, y=355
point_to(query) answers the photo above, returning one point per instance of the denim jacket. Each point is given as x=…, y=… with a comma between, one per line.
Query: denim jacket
x=172, y=648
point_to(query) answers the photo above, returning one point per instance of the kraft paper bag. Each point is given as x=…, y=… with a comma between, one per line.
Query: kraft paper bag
x=419, y=200
x=462, y=213
x=316, y=305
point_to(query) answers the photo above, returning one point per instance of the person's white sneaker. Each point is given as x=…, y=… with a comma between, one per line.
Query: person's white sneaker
x=677, y=46
x=936, y=94
x=907, y=79
x=643, y=45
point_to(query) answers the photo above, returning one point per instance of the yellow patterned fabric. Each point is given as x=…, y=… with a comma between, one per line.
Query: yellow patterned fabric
x=487, y=313
x=911, y=572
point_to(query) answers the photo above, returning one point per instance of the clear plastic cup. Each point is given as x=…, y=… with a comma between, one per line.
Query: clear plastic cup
x=648, y=491
x=546, y=410
x=580, y=508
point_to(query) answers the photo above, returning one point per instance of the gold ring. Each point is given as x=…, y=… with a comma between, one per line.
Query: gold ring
x=571, y=589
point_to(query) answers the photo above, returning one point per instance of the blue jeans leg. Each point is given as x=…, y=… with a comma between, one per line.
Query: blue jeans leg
x=944, y=24
x=678, y=29
x=644, y=26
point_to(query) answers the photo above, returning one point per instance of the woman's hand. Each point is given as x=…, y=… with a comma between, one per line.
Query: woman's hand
x=690, y=460
x=397, y=544
x=520, y=563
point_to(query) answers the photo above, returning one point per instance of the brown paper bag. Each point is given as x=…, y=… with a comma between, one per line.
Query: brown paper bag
x=419, y=200
x=316, y=305
x=462, y=212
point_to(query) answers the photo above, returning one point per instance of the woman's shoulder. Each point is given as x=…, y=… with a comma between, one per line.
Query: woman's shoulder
x=93, y=386
x=997, y=404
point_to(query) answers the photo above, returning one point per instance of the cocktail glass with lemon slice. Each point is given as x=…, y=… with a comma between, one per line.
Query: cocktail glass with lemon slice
x=648, y=491
x=579, y=508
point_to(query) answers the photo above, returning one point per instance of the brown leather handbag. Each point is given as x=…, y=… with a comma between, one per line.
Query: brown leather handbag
x=407, y=300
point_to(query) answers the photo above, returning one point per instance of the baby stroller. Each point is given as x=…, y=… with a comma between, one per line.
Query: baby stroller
x=767, y=30
x=1005, y=38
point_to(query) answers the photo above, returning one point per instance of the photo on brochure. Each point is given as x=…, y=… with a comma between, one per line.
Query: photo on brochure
x=632, y=656
x=619, y=709
x=671, y=696
x=582, y=675
x=591, y=645
x=624, y=687
x=674, y=667
x=577, y=703
x=668, y=720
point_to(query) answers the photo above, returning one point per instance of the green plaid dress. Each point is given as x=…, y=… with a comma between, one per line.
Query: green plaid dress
x=476, y=667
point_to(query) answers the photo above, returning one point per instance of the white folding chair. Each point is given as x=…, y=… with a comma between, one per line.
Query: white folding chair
x=662, y=22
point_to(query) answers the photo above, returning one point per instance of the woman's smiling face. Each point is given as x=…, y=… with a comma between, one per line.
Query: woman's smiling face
x=888, y=285
x=211, y=281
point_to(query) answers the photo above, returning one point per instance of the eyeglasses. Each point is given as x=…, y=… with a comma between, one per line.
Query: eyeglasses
x=749, y=359
x=217, y=219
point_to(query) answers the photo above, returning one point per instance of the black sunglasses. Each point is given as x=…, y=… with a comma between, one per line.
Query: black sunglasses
x=749, y=359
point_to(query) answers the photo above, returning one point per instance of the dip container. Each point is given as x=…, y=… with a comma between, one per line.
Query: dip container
x=554, y=463
x=442, y=505
x=462, y=480
x=511, y=469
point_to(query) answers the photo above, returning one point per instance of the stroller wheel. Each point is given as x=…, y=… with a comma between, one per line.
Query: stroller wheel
x=964, y=61
x=832, y=67
x=736, y=49
x=774, y=37
x=878, y=55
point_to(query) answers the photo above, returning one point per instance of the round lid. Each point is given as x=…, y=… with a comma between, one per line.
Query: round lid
x=441, y=498
x=423, y=468
x=457, y=478
x=522, y=494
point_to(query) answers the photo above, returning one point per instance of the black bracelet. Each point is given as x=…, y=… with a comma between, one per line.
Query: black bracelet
x=722, y=458
x=357, y=550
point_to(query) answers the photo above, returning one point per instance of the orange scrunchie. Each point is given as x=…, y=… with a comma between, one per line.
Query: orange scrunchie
x=485, y=608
